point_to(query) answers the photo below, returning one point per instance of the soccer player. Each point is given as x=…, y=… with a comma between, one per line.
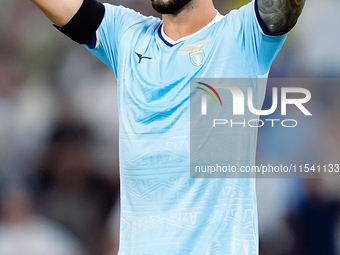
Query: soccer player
x=163, y=211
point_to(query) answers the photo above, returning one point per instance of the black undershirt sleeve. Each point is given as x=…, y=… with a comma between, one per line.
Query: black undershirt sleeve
x=84, y=24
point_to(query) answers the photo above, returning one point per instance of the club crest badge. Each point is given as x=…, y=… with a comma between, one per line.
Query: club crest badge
x=197, y=53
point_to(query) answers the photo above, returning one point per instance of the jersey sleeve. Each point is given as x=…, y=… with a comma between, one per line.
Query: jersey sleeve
x=259, y=48
x=117, y=20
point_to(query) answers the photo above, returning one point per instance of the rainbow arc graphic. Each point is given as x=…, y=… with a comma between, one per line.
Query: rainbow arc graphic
x=204, y=99
x=209, y=93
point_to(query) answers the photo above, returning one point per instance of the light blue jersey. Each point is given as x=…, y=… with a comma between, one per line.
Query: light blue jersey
x=163, y=211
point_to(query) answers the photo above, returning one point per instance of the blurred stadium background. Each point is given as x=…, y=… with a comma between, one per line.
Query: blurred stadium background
x=59, y=180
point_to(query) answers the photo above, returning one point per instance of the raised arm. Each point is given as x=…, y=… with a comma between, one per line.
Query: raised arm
x=279, y=16
x=60, y=12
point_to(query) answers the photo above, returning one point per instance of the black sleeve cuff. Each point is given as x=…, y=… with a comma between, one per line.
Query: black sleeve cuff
x=84, y=24
x=263, y=26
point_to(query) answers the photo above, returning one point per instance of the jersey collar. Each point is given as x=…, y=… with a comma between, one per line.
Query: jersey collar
x=168, y=41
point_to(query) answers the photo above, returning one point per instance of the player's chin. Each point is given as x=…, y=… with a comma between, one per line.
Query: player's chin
x=164, y=6
x=168, y=6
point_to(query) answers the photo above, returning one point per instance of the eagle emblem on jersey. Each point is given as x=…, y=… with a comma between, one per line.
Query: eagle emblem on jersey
x=196, y=54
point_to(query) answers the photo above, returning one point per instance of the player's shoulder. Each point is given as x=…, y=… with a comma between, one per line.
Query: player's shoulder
x=245, y=10
x=111, y=9
x=235, y=18
x=127, y=15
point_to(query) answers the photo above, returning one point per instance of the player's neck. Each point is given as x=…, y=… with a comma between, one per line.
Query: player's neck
x=191, y=19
